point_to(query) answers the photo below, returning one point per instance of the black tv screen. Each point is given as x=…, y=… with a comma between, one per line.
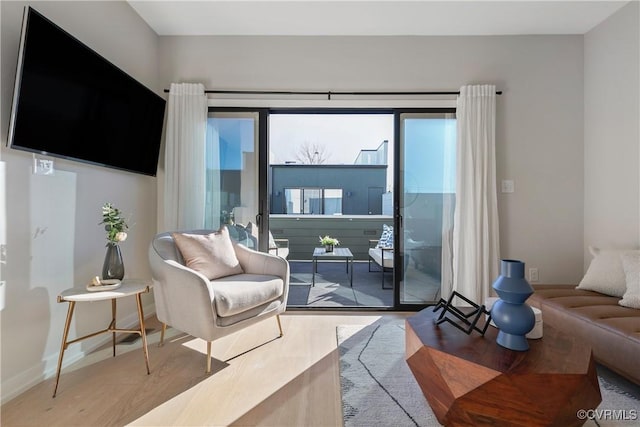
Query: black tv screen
x=72, y=103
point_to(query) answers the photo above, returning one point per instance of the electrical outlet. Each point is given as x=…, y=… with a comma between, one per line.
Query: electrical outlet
x=533, y=274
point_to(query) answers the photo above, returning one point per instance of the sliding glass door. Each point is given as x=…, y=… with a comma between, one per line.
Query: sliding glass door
x=424, y=204
x=236, y=176
x=412, y=187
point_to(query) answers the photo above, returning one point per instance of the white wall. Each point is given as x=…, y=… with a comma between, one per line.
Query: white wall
x=53, y=237
x=612, y=131
x=539, y=122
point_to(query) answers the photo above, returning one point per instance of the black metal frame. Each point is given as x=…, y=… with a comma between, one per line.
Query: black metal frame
x=463, y=317
x=329, y=93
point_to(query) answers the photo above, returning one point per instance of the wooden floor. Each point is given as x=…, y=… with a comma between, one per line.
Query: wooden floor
x=257, y=380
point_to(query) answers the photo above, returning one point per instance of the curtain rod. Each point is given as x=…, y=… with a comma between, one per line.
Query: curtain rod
x=327, y=93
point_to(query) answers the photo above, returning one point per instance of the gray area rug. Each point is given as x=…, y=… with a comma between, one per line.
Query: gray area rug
x=378, y=388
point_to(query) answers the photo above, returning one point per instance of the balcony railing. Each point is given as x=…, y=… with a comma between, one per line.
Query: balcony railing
x=353, y=231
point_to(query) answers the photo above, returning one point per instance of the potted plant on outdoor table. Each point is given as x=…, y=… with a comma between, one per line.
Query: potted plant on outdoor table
x=329, y=242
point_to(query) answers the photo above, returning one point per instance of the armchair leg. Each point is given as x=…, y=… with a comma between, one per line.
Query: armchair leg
x=164, y=328
x=208, y=357
x=279, y=324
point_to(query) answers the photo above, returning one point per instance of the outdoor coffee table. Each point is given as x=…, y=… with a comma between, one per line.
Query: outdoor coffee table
x=336, y=254
x=471, y=380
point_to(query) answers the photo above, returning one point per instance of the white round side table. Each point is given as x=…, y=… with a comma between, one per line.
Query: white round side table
x=130, y=287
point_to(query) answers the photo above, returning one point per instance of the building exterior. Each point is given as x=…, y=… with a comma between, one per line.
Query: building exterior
x=319, y=189
x=298, y=189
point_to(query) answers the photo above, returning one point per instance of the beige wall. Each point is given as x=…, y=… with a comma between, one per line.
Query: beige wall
x=612, y=132
x=53, y=237
x=539, y=116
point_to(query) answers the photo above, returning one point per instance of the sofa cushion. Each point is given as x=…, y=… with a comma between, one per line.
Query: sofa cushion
x=382, y=257
x=631, y=265
x=210, y=254
x=612, y=331
x=242, y=292
x=605, y=273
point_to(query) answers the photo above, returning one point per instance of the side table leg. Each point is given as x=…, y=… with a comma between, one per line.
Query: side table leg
x=113, y=325
x=65, y=335
x=143, y=331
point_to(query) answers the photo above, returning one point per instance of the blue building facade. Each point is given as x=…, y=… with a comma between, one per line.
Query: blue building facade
x=300, y=189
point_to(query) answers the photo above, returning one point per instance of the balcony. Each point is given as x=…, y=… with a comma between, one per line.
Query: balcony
x=372, y=287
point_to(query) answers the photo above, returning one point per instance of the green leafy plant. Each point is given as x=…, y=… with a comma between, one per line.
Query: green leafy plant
x=114, y=224
x=328, y=240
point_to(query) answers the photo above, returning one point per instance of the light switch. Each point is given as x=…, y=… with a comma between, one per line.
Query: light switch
x=507, y=186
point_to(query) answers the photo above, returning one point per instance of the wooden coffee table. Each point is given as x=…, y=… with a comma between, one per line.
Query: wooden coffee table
x=471, y=380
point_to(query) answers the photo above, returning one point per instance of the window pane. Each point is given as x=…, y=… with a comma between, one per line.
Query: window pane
x=333, y=201
x=312, y=201
x=293, y=201
x=231, y=151
x=428, y=178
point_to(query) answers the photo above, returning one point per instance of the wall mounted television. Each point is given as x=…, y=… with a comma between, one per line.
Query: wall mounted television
x=70, y=102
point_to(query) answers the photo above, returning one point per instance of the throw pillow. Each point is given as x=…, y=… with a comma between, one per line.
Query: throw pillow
x=605, y=273
x=210, y=254
x=386, y=238
x=631, y=265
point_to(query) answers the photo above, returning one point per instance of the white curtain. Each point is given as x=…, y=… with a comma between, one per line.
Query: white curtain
x=185, y=168
x=475, y=231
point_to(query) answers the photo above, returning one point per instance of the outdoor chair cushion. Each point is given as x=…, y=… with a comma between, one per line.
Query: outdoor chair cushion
x=382, y=257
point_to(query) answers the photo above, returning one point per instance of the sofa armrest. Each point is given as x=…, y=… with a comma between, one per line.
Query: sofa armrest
x=254, y=262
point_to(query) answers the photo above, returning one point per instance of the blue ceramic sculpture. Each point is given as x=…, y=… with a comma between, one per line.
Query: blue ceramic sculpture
x=512, y=316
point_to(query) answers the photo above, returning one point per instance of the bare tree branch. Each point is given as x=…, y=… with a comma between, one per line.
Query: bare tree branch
x=312, y=154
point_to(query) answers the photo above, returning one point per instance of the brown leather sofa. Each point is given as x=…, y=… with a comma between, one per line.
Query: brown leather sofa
x=612, y=331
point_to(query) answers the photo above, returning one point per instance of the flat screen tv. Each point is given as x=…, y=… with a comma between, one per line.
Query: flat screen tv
x=72, y=103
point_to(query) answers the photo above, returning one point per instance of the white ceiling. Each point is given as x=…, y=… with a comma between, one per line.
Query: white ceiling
x=378, y=17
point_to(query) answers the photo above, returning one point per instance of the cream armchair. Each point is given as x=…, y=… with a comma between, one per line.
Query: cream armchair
x=209, y=309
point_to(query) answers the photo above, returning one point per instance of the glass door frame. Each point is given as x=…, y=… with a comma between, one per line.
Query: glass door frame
x=262, y=217
x=398, y=189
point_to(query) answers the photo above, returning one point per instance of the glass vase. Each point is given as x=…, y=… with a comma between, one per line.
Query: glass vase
x=328, y=248
x=113, y=267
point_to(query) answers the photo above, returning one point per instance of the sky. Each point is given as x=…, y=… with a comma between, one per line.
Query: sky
x=429, y=148
x=343, y=135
